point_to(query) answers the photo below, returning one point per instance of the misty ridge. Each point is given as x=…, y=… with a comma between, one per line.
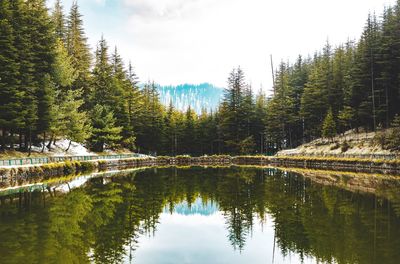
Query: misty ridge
x=198, y=97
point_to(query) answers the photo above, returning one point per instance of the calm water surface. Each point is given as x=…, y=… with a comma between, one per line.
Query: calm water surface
x=198, y=215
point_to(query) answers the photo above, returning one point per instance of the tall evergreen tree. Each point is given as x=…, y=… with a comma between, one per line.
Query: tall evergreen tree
x=59, y=21
x=76, y=125
x=123, y=93
x=232, y=126
x=329, y=126
x=281, y=115
x=314, y=101
x=11, y=107
x=104, y=129
x=149, y=136
x=21, y=23
x=189, y=132
x=102, y=84
x=42, y=44
x=364, y=75
x=79, y=51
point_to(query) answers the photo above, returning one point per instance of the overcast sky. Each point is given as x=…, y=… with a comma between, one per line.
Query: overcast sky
x=195, y=41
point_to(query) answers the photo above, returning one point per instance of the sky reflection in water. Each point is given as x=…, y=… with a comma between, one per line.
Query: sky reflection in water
x=198, y=234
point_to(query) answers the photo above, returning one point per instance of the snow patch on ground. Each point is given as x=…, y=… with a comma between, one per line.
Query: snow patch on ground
x=59, y=148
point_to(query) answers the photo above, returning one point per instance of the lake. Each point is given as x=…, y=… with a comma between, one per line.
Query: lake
x=197, y=215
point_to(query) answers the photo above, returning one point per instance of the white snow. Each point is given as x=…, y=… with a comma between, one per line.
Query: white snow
x=61, y=145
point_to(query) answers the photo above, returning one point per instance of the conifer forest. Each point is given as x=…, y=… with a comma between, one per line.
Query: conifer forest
x=52, y=86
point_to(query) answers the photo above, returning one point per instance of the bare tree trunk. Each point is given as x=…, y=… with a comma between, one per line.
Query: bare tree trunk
x=12, y=141
x=2, y=141
x=30, y=143
x=50, y=141
x=50, y=192
x=44, y=141
x=25, y=141
x=20, y=140
x=69, y=145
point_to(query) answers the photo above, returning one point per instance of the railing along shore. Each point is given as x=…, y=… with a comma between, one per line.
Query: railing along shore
x=55, y=159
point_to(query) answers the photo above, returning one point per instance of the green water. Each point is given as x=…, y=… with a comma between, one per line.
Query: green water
x=197, y=215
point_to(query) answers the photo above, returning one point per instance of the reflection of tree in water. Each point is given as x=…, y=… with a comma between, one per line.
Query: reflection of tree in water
x=236, y=198
x=102, y=221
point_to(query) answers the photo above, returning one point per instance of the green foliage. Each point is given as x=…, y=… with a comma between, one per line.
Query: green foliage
x=346, y=116
x=59, y=21
x=281, y=110
x=11, y=105
x=390, y=139
x=78, y=50
x=247, y=145
x=102, y=217
x=75, y=123
x=64, y=72
x=150, y=127
x=237, y=116
x=104, y=130
x=49, y=86
x=329, y=125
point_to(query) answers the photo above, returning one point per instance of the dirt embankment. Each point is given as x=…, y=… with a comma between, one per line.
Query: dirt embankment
x=350, y=144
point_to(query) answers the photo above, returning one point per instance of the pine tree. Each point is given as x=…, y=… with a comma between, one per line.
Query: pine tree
x=189, y=135
x=314, y=100
x=149, y=136
x=281, y=110
x=260, y=112
x=79, y=51
x=329, y=125
x=27, y=85
x=123, y=94
x=231, y=123
x=43, y=46
x=104, y=130
x=64, y=74
x=76, y=123
x=298, y=77
x=134, y=99
x=11, y=108
x=102, y=81
x=169, y=136
x=59, y=21
x=63, y=77
x=387, y=52
x=364, y=75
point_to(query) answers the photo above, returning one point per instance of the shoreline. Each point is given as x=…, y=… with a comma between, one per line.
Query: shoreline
x=23, y=175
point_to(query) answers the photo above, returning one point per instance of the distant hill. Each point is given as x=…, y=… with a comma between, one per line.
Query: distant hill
x=201, y=96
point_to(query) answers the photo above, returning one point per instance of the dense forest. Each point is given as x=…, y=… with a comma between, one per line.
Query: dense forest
x=53, y=87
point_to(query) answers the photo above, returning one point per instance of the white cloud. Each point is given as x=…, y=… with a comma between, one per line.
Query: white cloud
x=192, y=41
x=176, y=41
x=156, y=8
